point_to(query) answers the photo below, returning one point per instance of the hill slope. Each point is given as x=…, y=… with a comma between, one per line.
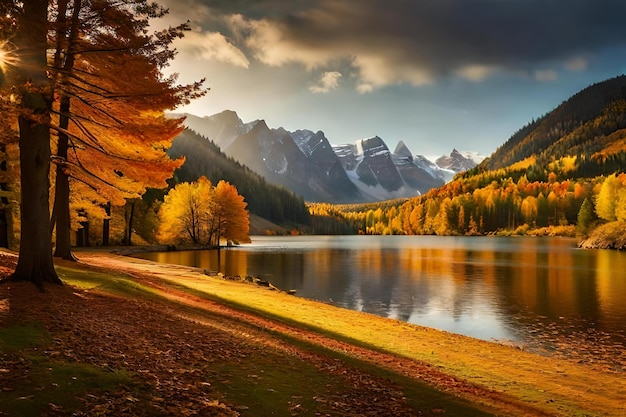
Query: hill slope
x=579, y=126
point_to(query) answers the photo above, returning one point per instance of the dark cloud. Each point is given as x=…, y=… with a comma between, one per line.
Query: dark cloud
x=418, y=41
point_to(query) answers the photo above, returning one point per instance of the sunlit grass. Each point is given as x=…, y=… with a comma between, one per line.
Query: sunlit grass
x=552, y=385
x=117, y=284
x=558, y=386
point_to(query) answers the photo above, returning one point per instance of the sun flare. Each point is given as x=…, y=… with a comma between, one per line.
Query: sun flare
x=8, y=58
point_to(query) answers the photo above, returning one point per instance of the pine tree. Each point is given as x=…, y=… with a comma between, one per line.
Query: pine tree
x=586, y=216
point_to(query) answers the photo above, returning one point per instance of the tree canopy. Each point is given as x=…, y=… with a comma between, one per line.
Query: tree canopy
x=109, y=132
x=200, y=213
x=113, y=137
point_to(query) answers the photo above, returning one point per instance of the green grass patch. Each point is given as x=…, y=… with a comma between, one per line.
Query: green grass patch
x=22, y=336
x=265, y=384
x=44, y=384
x=112, y=283
x=32, y=383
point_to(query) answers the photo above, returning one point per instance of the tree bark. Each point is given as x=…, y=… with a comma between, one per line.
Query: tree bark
x=130, y=218
x=106, y=225
x=35, y=263
x=63, y=247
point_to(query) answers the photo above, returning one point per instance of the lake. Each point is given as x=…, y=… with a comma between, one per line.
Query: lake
x=542, y=294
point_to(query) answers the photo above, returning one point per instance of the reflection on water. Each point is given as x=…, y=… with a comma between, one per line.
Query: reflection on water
x=490, y=288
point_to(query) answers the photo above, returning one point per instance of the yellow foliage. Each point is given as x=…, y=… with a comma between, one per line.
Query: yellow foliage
x=203, y=214
x=523, y=164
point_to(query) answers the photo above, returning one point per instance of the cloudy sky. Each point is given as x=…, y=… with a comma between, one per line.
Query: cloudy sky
x=436, y=74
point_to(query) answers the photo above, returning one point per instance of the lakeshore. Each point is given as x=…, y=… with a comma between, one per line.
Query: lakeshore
x=459, y=372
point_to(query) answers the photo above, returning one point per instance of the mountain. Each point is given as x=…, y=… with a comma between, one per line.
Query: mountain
x=306, y=163
x=459, y=161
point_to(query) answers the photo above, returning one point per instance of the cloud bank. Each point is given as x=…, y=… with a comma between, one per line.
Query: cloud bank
x=415, y=42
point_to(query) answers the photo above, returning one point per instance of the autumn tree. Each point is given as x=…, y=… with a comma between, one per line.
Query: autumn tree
x=606, y=201
x=35, y=262
x=200, y=213
x=115, y=128
x=230, y=214
x=185, y=214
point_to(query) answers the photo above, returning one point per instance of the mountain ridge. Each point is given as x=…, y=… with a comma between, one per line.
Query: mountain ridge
x=307, y=163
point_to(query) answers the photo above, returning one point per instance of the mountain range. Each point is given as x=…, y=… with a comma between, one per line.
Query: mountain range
x=306, y=163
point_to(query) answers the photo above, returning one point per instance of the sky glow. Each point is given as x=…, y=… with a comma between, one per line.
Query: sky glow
x=437, y=74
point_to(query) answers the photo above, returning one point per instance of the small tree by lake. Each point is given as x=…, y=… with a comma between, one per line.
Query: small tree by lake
x=200, y=213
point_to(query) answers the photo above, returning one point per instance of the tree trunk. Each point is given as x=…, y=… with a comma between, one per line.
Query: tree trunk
x=130, y=217
x=35, y=263
x=106, y=225
x=63, y=247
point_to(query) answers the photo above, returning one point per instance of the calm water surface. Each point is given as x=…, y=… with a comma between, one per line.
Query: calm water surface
x=523, y=290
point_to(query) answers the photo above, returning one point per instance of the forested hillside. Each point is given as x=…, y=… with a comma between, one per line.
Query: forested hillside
x=536, y=183
x=580, y=126
x=204, y=158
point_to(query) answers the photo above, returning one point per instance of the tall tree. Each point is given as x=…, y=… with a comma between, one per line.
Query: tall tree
x=115, y=127
x=35, y=262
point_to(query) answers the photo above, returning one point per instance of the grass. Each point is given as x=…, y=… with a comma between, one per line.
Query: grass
x=263, y=383
x=112, y=283
x=555, y=386
x=22, y=336
x=57, y=383
x=37, y=380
